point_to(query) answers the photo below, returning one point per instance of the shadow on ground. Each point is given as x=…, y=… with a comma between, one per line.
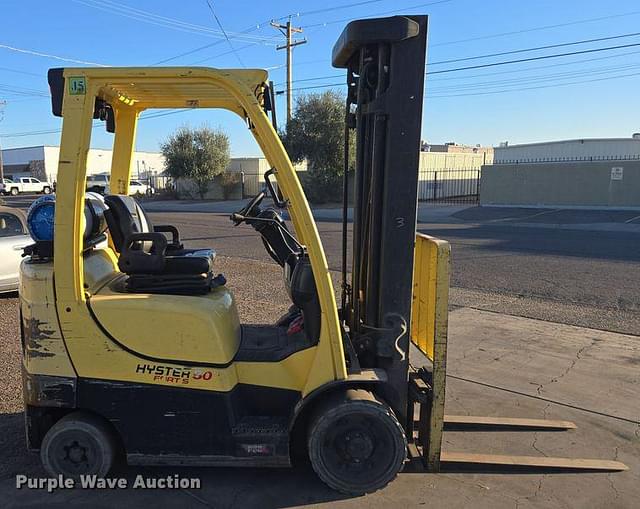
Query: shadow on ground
x=220, y=487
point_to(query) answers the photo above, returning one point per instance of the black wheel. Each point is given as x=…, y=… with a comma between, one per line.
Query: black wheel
x=356, y=444
x=14, y=191
x=78, y=444
x=46, y=190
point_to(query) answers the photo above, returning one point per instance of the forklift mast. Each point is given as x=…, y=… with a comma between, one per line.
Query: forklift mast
x=385, y=62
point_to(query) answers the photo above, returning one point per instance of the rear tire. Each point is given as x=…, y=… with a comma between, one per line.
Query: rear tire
x=14, y=191
x=79, y=444
x=356, y=445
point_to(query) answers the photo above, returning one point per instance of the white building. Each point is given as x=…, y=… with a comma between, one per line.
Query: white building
x=42, y=162
x=595, y=149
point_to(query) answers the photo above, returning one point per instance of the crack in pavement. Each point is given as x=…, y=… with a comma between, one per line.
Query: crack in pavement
x=535, y=433
x=579, y=354
x=610, y=478
x=535, y=493
x=463, y=481
x=578, y=357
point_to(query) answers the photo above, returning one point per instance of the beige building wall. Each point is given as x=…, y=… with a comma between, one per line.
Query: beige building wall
x=254, y=169
x=433, y=161
x=578, y=184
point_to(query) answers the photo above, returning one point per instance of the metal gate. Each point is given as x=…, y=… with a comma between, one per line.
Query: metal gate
x=449, y=185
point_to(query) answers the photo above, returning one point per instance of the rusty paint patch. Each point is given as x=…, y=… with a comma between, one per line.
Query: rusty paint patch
x=35, y=332
x=44, y=390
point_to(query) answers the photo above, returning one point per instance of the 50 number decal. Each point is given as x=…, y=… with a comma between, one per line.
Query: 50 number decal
x=202, y=375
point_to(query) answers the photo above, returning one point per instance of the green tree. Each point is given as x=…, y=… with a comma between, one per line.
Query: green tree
x=316, y=133
x=199, y=154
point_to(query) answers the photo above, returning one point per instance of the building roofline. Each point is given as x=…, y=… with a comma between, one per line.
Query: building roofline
x=24, y=148
x=91, y=148
x=583, y=140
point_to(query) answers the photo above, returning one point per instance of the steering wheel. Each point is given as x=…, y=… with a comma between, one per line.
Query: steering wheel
x=247, y=210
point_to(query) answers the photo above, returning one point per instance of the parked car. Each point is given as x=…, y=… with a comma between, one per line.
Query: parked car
x=137, y=187
x=100, y=184
x=25, y=185
x=14, y=237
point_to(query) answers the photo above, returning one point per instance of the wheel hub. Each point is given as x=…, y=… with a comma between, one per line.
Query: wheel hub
x=359, y=446
x=75, y=453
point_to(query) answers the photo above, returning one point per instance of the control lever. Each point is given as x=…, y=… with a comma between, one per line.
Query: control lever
x=272, y=190
x=239, y=218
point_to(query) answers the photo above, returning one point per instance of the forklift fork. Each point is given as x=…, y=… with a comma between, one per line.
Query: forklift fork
x=426, y=392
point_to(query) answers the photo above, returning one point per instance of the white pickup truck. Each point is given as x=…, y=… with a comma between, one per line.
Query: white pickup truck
x=24, y=185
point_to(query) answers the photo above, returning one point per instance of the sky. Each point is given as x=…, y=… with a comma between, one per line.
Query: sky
x=593, y=94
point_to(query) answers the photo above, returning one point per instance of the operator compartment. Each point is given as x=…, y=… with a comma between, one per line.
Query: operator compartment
x=163, y=303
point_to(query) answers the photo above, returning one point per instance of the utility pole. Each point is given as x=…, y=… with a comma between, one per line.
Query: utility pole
x=287, y=30
x=2, y=103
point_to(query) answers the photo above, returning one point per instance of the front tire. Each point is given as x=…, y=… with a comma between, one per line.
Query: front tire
x=79, y=444
x=46, y=190
x=356, y=445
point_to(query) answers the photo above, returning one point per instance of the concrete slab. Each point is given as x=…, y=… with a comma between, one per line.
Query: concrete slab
x=518, y=361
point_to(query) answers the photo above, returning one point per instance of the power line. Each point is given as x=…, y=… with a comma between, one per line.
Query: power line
x=299, y=14
x=520, y=50
x=534, y=29
x=593, y=71
x=94, y=126
x=23, y=90
x=527, y=69
x=49, y=55
x=164, y=21
x=532, y=59
x=537, y=48
x=394, y=11
x=18, y=71
x=207, y=59
x=502, y=91
x=535, y=87
x=493, y=64
x=225, y=33
x=252, y=28
x=28, y=99
x=328, y=9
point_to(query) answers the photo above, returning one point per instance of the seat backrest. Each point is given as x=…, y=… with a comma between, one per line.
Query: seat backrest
x=125, y=217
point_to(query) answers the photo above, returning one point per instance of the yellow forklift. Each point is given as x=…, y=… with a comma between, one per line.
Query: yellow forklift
x=132, y=344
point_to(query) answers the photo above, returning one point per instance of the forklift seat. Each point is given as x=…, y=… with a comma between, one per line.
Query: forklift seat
x=154, y=264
